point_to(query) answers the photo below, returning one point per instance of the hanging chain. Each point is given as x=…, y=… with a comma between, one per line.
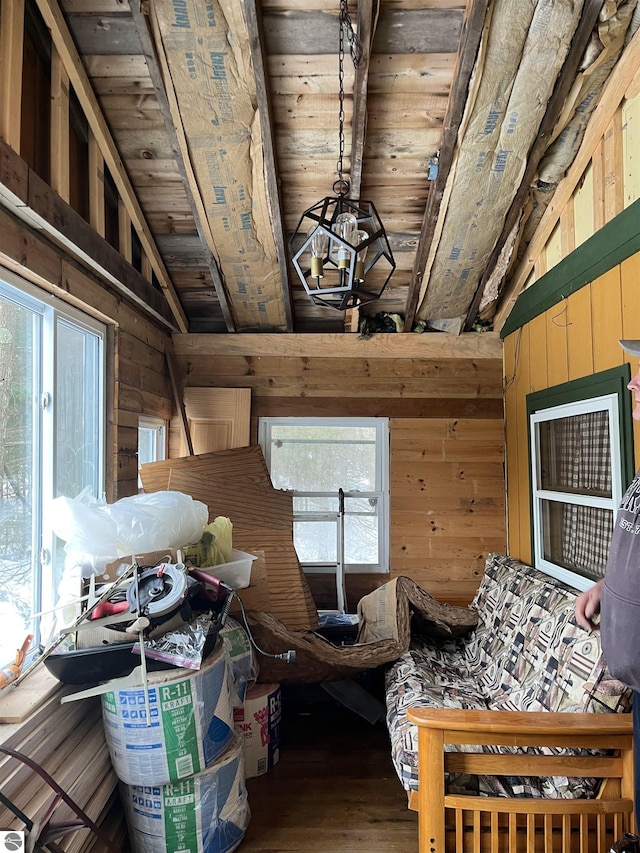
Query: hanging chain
x=355, y=49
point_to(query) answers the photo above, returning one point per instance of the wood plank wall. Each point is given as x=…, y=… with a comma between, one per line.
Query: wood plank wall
x=446, y=478
x=137, y=381
x=578, y=336
x=447, y=501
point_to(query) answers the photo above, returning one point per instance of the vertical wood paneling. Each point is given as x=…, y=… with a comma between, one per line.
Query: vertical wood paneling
x=511, y=434
x=581, y=338
x=579, y=334
x=557, y=348
x=606, y=315
x=583, y=207
x=538, y=346
x=631, y=149
x=598, y=172
x=568, y=228
x=521, y=469
x=613, y=180
x=553, y=251
x=540, y=266
x=629, y=278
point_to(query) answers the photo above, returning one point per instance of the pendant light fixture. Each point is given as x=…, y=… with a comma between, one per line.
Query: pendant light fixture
x=342, y=240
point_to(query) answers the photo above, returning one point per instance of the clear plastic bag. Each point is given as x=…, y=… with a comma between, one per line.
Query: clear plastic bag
x=137, y=524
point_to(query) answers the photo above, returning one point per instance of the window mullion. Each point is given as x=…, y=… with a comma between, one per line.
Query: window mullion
x=47, y=410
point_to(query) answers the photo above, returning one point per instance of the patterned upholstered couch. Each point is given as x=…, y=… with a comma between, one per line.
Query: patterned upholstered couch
x=526, y=654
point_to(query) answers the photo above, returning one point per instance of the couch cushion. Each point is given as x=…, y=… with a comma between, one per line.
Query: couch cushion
x=527, y=653
x=429, y=676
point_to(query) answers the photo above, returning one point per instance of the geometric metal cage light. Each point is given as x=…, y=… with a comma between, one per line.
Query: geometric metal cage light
x=344, y=241
x=338, y=241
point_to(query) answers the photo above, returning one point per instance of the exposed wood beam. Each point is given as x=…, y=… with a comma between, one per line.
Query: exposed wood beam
x=377, y=407
x=60, y=166
x=11, y=46
x=178, y=397
x=177, y=145
x=367, y=18
x=469, y=43
x=436, y=345
x=613, y=93
x=268, y=153
x=65, y=46
x=32, y=200
x=96, y=187
x=125, y=243
x=582, y=35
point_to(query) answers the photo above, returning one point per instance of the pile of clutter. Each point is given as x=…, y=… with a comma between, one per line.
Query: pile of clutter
x=185, y=721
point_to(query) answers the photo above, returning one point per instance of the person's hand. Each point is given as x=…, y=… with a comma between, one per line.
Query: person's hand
x=588, y=605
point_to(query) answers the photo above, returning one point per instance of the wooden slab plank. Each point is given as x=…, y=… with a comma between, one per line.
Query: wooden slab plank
x=21, y=701
x=229, y=463
x=236, y=484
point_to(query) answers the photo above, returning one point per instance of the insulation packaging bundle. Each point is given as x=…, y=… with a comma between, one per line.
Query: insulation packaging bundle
x=204, y=813
x=191, y=715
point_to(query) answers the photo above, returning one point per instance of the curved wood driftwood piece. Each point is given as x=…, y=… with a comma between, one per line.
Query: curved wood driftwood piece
x=388, y=618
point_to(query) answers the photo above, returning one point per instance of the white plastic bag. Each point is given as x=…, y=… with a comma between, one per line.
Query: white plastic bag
x=140, y=523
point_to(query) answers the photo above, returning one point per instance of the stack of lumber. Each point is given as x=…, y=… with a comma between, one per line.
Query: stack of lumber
x=68, y=742
x=236, y=484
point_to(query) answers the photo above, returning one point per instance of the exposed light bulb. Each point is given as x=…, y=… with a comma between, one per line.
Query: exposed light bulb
x=319, y=248
x=361, y=254
x=345, y=226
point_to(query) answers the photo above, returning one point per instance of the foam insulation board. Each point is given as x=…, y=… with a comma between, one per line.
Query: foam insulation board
x=523, y=49
x=206, y=49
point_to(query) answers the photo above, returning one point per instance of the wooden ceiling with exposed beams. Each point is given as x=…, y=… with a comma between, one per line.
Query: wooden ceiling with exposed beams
x=460, y=121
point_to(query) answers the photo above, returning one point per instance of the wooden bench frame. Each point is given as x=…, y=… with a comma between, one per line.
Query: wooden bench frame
x=452, y=823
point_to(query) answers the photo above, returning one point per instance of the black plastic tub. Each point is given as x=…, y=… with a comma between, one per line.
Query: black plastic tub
x=102, y=663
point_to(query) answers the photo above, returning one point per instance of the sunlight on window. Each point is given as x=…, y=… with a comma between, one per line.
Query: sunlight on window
x=51, y=443
x=315, y=459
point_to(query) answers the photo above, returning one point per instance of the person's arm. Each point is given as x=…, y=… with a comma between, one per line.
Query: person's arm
x=588, y=605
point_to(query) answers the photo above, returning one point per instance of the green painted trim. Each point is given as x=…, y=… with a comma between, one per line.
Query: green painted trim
x=613, y=381
x=613, y=243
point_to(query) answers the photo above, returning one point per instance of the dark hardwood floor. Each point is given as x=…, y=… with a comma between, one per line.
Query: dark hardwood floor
x=334, y=789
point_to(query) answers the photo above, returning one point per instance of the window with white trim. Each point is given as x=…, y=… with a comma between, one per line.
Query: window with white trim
x=52, y=391
x=338, y=472
x=152, y=441
x=579, y=471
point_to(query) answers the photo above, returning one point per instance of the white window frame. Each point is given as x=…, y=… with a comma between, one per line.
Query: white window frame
x=157, y=426
x=51, y=310
x=608, y=403
x=382, y=478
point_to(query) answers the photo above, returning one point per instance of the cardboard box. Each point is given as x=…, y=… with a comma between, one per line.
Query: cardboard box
x=114, y=569
x=259, y=722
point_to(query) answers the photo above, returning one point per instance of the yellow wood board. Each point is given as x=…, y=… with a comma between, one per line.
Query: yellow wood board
x=580, y=334
x=606, y=317
x=557, y=359
x=537, y=354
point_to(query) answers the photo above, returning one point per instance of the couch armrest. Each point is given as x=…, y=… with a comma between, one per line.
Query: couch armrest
x=555, y=728
x=437, y=727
